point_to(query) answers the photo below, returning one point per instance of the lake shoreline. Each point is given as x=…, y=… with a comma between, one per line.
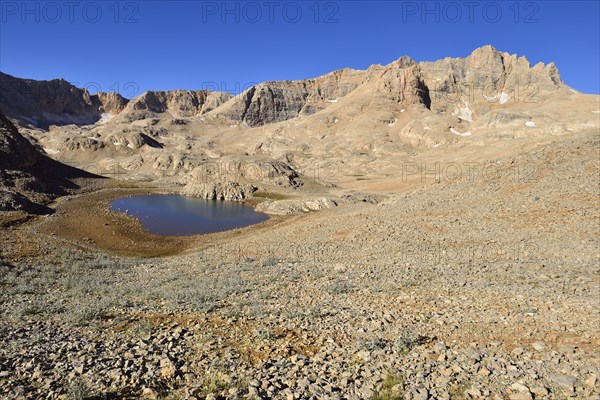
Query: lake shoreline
x=87, y=220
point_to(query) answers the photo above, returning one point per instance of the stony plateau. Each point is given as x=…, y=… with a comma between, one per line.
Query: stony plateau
x=434, y=236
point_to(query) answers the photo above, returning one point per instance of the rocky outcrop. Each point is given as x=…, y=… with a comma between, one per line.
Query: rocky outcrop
x=401, y=82
x=275, y=101
x=76, y=142
x=16, y=152
x=278, y=101
x=112, y=103
x=180, y=103
x=232, y=191
x=235, y=178
x=487, y=78
x=275, y=173
x=286, y=207
x=256, y=172
x=132, y=139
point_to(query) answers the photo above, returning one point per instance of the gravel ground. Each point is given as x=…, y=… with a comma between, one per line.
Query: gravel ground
x=484, y=288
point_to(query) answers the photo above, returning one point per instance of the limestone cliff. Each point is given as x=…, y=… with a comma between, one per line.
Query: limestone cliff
x=484, y=78
x=180, y=103
x=277, y=101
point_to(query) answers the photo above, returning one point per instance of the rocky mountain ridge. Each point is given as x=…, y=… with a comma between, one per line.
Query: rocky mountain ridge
x=484, y=78
x=40, y=104
x=56, y=102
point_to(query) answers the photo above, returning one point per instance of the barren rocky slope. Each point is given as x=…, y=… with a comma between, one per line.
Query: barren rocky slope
x=28, y=179
x=483, y=288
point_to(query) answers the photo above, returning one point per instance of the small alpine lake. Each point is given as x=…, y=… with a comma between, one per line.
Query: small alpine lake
x=176, y=215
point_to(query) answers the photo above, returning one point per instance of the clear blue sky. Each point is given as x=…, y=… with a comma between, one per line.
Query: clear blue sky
x=160, y=45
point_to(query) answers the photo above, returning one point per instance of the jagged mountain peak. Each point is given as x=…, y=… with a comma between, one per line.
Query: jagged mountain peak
x=404, y=62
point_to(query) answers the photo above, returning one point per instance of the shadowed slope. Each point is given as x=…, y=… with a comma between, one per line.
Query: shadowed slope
x=29, y=179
